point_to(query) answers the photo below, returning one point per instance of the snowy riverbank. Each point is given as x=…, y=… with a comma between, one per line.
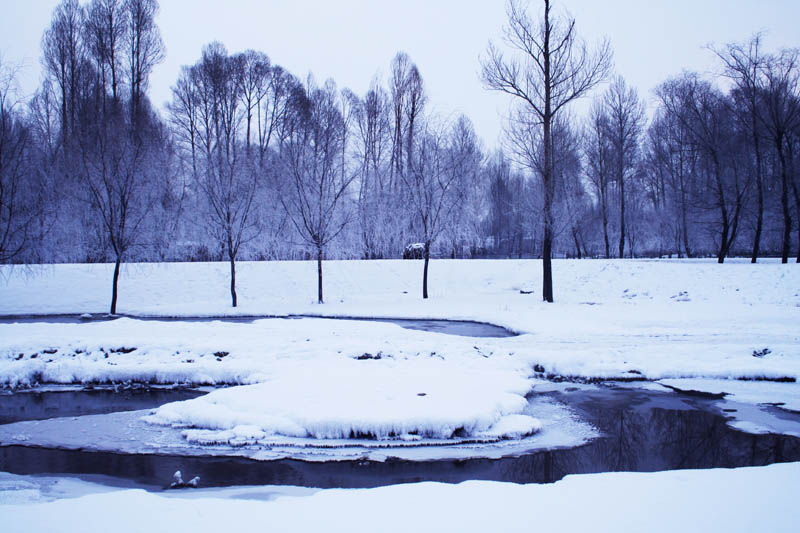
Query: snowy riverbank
x=744, y=499
x=694, y=324
x=339, y=379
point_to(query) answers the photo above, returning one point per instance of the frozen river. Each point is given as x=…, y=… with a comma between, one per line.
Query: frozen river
x=604, y=428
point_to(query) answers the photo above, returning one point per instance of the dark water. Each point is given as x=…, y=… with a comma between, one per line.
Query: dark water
x=463, y=328
x=35, y=405
x=642, y=431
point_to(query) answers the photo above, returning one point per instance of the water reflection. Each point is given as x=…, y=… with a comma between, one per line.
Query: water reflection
x=40, y=405
x=647, y=432
x=641, y=431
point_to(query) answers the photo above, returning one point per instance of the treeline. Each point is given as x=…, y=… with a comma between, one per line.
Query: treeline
x=713, y=173
x=249, y=161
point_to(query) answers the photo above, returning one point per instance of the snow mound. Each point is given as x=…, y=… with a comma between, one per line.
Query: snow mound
x=400, y=400
x=513, y=427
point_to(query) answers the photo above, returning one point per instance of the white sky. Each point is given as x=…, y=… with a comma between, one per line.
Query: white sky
x=352, y=40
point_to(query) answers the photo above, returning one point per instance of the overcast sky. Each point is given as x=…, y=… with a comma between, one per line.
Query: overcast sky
x=353, y=40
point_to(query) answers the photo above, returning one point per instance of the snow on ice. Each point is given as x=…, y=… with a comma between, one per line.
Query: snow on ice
x=351, y=399
x=321, y=378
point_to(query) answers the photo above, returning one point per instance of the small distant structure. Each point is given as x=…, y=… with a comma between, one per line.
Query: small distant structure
x=414, y=250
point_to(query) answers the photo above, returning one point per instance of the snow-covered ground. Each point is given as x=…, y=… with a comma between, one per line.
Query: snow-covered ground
x=695, y=325
x=337, y=379
x=745, y=499
x=653, y=319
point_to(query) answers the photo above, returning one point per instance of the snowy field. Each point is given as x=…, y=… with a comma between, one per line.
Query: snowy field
x=325, y=379
x=655, y=319
x=688, y=325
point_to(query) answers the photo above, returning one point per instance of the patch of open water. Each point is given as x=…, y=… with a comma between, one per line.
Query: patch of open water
x=465, y=328
x=56, y=402
x=640, y=430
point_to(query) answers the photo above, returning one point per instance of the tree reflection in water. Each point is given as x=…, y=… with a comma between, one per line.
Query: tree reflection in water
x=644, y=431
x=640, y=430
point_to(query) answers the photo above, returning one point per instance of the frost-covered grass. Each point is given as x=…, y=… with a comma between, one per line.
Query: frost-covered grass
x=707, y=501
x=612, y=319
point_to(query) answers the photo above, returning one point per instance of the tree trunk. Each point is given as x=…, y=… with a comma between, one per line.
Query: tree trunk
x=577, y=242
x=319, y=274
x=796, y=190
x=621, y=215
x=547, y=177
x=547, y=267
x=249, y=119
x=787, y=216
x=685, y=230
x=427, y=256
x=723, y=213
x=604, y=210
x=760, y=204
x=759, y=177
x=114, y=286
x=233, y=280
x=723, y=245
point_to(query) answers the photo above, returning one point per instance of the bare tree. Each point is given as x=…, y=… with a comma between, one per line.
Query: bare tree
x=399, y=87
x=144, y=48
x=44, y=116
x=117, y=171
x=376, y=215
x=316, y=186
x=228, y=179
x=429, y=179
x=781, y=116
x=16, y=205
x=706, y=115
x=184, y=112
x=468, y=191
x=274, y=108
x=744, y=64
x=550, y=68
x=793, y=150
x=414, y=103
x=508, y=195
x=62, y=56
x=597, y=149
x=253, y=72
x=626, y=118
x=106, y=28
x=570, y=195
x=672, y=160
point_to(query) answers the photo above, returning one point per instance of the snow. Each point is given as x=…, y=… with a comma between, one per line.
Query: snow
x=321, y=379
x=307, y=380
x=127, y=432
x=513, y=426
x=759, y=392
x=391, y=288
x=427, y=397
x=745, y=499
x=302, y=388
x=33, y=489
